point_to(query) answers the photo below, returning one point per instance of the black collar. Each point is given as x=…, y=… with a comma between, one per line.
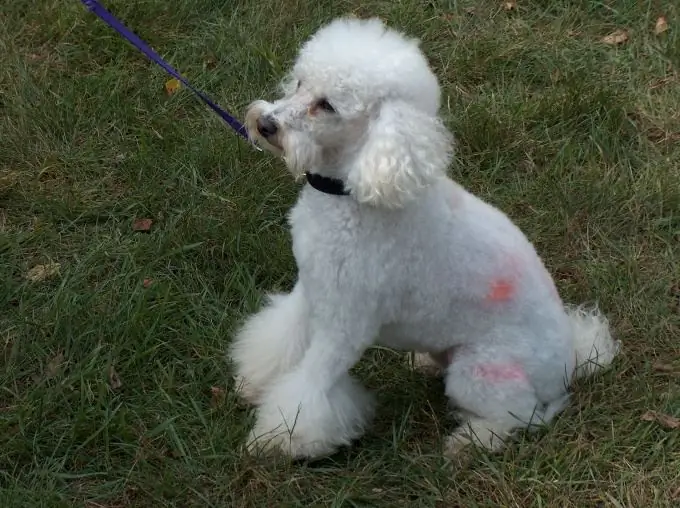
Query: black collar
x=326, y=184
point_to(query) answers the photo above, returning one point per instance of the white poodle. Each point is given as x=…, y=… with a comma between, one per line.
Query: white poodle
x=391, y=251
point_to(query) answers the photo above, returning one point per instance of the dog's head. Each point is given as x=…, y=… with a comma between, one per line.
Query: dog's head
x=360, y=104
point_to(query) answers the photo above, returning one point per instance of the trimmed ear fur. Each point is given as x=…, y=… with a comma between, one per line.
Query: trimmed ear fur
x=406, y=150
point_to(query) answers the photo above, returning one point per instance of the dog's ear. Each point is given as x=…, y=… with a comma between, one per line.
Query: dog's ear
x=405, y=151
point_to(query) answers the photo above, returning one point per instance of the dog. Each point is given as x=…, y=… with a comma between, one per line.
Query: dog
x=390, y=250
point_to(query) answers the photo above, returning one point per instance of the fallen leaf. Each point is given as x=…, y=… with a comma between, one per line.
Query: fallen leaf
x=172, y=85
x=217, y=396
x=447, y=16
x=649, y=416
x=142, y=224
x=510, y=6
x=661, y=25
x=146, y=283
x=210, y=62
x=668, y=421
x=663, y=367
x=41, y=272
x=54, y=365
x=617, y=37
x=675, y=494
x=114, y=379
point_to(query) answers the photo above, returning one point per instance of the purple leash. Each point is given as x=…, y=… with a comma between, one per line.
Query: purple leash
x=108, y=18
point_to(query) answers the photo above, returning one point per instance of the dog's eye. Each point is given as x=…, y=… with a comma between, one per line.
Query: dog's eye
x=325, y=105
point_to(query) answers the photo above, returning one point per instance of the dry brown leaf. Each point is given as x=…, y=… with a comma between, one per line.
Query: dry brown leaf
x=142, y=224
x=114, y=379
x=675, y=494
x=54, y=365
x=668, y=421
x=147, y=283
x=663, y=367
x=661, y=25
x=172, y=85
x=41, y=272
x=648, y=416
x=617, y=37
x=217, y=396
x=510, y=6
x=210, y=62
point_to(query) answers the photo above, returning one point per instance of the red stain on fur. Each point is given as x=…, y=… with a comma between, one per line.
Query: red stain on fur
x=500, y=372
x=500, y=290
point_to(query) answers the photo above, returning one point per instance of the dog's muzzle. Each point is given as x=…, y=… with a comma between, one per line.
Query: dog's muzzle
x=266, y=126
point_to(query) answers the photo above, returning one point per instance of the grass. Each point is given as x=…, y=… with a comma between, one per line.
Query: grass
x=115, y=394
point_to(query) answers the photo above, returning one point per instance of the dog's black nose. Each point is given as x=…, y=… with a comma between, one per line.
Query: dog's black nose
x=266, y=126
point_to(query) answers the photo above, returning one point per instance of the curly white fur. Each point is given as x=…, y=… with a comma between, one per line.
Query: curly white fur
x=409, y=260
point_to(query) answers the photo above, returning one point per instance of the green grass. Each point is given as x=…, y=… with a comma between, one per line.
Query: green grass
x=578, y=141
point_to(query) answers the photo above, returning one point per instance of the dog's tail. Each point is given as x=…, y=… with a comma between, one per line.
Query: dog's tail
x=594, y=346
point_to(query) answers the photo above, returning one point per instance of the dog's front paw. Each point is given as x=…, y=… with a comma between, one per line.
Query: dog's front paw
x=296, y=434
x=279, y=438
x=298, y=420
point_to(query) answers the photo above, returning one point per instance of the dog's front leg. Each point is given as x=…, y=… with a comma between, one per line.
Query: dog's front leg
x=270, y=343
x=318, y=406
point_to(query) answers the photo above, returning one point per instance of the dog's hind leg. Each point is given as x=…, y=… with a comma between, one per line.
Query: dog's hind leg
x=270, y=343
x=495, y=396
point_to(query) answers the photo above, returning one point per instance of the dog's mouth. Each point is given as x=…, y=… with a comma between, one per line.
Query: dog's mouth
x=272, y=145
